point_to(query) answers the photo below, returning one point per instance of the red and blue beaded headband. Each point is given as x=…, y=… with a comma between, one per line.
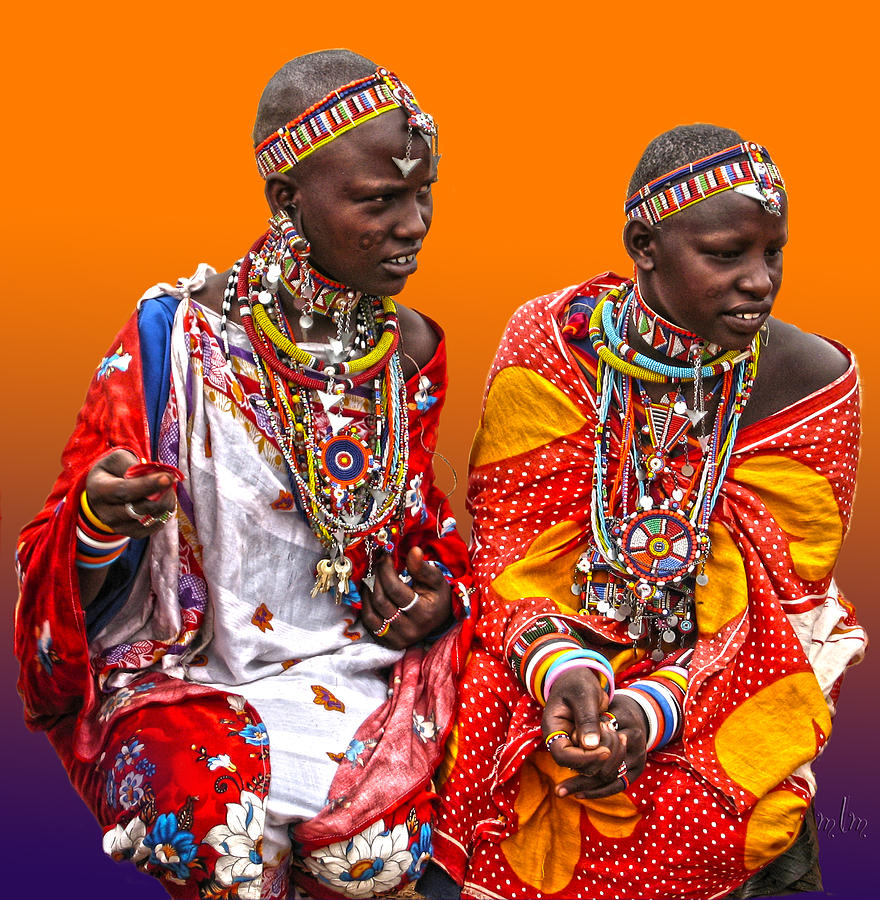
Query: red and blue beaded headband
x=340, y=111
x=745, y=168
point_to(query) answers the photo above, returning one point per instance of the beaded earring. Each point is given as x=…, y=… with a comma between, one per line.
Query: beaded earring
x=299, y=248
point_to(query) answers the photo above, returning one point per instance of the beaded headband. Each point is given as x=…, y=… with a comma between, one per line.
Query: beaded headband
x=340, y=111
x=745, y=168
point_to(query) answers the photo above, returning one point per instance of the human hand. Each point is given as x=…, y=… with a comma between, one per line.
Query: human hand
x=128, y=504
x=582, y=738
x=622, y=730
x=399, y=614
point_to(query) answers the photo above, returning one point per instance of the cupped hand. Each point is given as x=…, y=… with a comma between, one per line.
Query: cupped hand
x=117, y=500
x=401, y=614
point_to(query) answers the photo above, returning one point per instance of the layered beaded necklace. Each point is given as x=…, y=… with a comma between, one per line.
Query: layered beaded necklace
x=649, y=517
x=348, y=477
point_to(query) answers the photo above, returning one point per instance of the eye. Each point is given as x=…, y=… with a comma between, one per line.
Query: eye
x=725, y=254
x=773, y=252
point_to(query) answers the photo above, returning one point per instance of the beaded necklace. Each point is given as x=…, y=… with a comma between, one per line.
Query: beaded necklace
x=348, y=480
x=662, y=335
x=649, y=523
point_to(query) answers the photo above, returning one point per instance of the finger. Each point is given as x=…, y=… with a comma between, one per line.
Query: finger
x=149, y=488
x=585, y=788
x=423, y=572
x=389, y=592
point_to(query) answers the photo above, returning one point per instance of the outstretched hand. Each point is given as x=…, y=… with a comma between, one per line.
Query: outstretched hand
x=128, y=504
x=400, y=614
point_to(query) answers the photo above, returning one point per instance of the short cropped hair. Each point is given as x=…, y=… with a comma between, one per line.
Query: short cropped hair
x=677, y=147
x=303, y=82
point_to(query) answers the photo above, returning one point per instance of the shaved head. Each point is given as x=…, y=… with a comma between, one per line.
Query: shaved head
x=677, y=147
x=303, y=82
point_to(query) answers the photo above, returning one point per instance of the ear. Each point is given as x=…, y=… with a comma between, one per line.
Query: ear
x=281, y=191
x=639, y=239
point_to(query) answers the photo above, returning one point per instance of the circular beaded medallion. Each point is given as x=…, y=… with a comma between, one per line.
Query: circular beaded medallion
x=345, y=459
x=658, y=545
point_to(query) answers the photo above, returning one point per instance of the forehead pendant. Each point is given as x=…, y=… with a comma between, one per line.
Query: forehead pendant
x=407, y=164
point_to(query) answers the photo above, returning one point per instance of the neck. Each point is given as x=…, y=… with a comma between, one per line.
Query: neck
x=665, y=338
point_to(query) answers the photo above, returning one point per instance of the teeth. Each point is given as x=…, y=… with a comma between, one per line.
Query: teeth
x=748, y=315
x=405, y=259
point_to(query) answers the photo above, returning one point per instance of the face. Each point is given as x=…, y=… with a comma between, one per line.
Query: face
x=364, y=220
x=716, y=268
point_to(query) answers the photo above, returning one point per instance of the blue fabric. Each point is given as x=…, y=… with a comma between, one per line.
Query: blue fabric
x=155, y=318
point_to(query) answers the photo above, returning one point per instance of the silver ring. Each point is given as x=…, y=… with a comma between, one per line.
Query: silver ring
x=411, y=603
x=146, y=520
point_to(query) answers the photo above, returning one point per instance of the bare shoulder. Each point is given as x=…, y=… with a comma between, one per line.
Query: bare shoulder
x=418, y=340
x=793, y=365
x=210, y=295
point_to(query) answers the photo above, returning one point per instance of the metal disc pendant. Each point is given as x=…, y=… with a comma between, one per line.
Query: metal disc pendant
x=635, y=630
x=687, y=470
x=306, y=321
x=702, y=579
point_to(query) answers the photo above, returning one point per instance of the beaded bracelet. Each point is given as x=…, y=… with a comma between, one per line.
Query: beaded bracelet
x=547, y=626
x=97, y=545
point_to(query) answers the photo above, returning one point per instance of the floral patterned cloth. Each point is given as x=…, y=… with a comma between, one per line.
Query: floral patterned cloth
x=179, y=772
x=774, y=638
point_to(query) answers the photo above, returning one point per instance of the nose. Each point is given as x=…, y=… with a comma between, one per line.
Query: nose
x=756, y=278
x=414, y=219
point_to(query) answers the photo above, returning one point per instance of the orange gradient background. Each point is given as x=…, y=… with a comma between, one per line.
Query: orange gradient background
x=128, y=161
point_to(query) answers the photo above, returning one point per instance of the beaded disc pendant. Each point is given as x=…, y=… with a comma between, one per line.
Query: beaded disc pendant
x=658, y=545
x=345, y=460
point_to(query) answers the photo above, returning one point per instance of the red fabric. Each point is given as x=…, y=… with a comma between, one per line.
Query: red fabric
x=58, y=679
x=783, y=509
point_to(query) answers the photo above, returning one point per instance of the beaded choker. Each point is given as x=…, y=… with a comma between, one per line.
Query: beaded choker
x=340, y=111
x=746, y=168
x=653, y=494
x=664, y=336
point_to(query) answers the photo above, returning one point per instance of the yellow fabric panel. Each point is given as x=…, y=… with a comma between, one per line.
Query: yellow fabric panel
x=523, y=411
x=545, y=850
x=772, y=827
x=547, y=846
x=773, y=732
x=449, y=758
x=803, y=505
x=545, y=571
x=726, y=595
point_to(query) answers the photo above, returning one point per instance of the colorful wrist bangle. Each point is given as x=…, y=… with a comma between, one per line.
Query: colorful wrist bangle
x=544, y=649
x=602, y=667
x=90, y=515
x=97, y=545
x=598, y=668
x=667, y=720
x=648, y=710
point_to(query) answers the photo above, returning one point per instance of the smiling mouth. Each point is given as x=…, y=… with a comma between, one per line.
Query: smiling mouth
x=747, y=316
x=402, y=260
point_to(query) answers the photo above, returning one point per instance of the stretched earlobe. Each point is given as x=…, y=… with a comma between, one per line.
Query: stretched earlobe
x=281, y=192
